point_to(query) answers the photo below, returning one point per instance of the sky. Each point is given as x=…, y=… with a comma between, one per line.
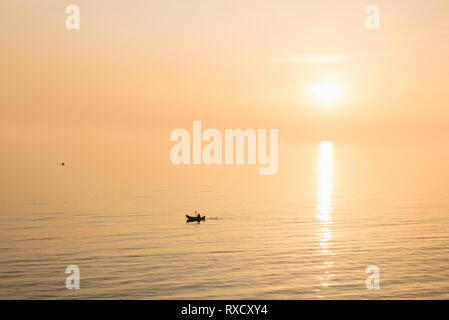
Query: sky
x=159, y=65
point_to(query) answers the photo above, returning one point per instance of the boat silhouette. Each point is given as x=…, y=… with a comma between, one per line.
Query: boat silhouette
x=195, y=218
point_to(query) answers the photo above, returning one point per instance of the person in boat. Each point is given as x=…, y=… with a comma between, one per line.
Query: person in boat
x=198, y=214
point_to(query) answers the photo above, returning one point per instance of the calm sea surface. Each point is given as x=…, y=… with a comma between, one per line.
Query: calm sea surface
x=308, y=232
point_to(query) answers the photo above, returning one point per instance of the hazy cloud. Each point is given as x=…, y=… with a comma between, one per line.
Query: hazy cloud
x=308, y=60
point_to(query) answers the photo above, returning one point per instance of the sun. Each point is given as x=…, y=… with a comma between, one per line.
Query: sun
x=327, y=92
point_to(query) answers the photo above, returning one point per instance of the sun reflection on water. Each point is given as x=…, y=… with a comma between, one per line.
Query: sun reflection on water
x=325, y=209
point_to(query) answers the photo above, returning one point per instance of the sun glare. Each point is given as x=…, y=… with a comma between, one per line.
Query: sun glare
x=326, y=92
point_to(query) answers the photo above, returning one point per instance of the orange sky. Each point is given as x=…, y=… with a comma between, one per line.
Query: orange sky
x=163, y=64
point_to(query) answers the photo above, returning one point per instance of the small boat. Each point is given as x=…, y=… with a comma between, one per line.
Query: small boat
x=195, y=218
